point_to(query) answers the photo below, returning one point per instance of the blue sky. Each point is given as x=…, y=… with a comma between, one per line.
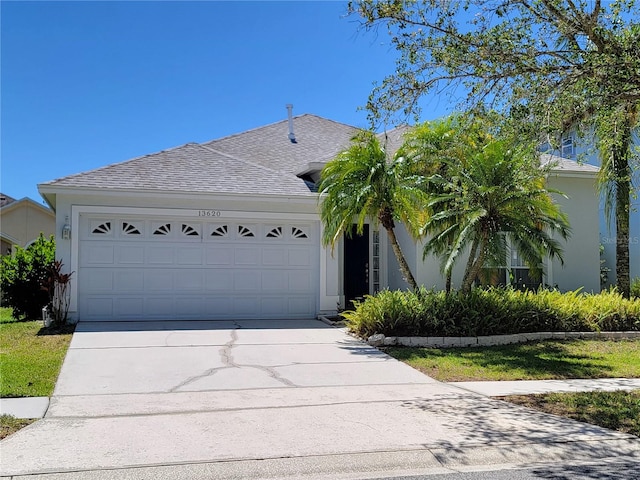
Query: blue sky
x=86, y=84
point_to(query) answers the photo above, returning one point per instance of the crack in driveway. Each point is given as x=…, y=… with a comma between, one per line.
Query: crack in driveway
x=226, y=355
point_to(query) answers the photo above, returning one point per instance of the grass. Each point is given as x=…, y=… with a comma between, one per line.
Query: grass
x=617, y=410
x=30, y=356
x=527, y=361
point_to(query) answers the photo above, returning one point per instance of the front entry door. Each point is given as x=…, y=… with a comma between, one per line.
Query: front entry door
x=356, y=266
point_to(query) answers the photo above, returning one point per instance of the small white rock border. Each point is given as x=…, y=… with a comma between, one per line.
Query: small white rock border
x=380, y=340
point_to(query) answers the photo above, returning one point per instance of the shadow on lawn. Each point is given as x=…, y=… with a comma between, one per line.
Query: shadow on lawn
x=56, y=330
x=552, y=359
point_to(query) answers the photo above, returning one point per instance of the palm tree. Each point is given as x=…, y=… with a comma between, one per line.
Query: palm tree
x=362, y=183
x=432, y=148
x=487, y=200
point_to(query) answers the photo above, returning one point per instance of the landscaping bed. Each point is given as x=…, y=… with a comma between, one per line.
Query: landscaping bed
x=492, y=311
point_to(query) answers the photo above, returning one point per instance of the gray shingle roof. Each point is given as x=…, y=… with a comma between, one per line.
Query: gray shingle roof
x=259, y=161
x=560, y=164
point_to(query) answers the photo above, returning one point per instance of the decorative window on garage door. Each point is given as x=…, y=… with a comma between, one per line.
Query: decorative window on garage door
x=190, y=230
x=300, y=232
x=219, y=230
x=274, y=232
x=130, y=228
x=100, y=227
x=161, y=229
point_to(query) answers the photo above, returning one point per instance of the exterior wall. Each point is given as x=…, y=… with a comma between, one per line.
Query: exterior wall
x=581, y=251
x=585, y=153
x=23, y=221
x=411, y=253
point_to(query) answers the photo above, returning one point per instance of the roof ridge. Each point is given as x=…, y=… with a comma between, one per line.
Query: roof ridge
x=232, y=135
x=249, y=162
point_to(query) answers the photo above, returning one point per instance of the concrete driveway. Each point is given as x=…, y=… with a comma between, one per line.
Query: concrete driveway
x=263, y=399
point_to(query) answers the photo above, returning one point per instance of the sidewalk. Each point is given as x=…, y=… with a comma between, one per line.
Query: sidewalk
x=36, y=407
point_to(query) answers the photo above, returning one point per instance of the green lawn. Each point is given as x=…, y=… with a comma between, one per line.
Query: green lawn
x=30, y=356
x=527, y=361
x=614, y=410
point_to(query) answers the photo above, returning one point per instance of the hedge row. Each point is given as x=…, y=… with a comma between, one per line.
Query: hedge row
x=494, y=311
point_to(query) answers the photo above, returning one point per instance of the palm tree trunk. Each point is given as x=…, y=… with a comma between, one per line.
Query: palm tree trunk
x=447, y=285
x=475, y=264
x=404, y=266
x=623, y=279
x=623, y=174
x=470, y=261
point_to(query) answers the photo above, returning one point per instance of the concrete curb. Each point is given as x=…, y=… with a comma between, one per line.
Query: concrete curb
x=24, y=407
x=380, y=340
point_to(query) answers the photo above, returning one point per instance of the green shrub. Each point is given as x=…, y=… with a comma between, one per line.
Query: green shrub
x=23, y=275
x=493, y=311
x=635, y=287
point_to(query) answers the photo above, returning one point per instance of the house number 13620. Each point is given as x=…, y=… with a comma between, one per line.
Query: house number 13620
x=208, y=213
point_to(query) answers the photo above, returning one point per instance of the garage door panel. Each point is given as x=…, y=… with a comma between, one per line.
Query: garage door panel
x=190, y=307
x=99, y=280
x=219, y=255
x=274, y=280
x=247, y=280
x=159, y=307
x=300, y=305
x=129, y=254
x=219, y=280
x=273, y=306
x=99, y=308
x=189, y=280
x=156, y=280
x=177, y=269
x=130, y=307
x=97, y=254
x=299, y=257
x=190, y=256
x=246, y=306
x=274, y=257
x=299, y=281
x=129, y=280
x=217, y=307
x=160, y=255
x=246, y=256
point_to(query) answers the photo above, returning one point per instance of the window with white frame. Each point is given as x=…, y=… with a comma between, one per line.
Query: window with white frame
x=567, y=147
x=516, y=273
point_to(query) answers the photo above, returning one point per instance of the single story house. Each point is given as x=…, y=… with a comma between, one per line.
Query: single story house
x=22, y=221
x=229, y=229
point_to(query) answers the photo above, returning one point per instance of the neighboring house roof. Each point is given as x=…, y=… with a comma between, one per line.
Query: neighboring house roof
x=560, y=165
x=5, y=200
x=25, y=201
x=258, y=161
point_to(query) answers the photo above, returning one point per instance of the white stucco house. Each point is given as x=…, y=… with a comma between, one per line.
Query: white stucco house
x=229, y=229
x=574, y=147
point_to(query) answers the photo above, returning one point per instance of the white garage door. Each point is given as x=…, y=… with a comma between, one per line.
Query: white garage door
x=148, y=269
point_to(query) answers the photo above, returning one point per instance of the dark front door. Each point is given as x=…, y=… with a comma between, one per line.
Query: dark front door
x=356, y=266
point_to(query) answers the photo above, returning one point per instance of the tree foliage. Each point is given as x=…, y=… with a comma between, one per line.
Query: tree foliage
x=485, y=195
x=363, y=184
x=23, y=276
x=554, y=64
